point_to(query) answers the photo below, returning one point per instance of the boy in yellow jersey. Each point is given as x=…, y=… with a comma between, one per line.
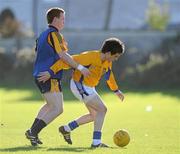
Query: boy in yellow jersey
x=99, y=63
x=50, y=47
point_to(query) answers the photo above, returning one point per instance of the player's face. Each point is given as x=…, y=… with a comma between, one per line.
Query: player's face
x=114, y=57
x=60, y=21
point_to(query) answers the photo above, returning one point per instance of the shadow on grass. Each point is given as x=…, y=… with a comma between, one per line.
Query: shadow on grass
x=78, y=149
x=20, y=148
x=70, y=149
x=102, y=90
x=63, y=149
x=35, y=94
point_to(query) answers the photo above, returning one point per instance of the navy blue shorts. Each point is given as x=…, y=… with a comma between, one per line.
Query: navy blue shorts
x=51, y=85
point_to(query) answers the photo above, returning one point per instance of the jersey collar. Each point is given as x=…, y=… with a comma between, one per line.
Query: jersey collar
x=51, y=26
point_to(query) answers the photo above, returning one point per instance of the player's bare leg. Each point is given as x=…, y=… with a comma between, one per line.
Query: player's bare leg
x=97, y=104
x=97, y=111
x=47, y=113
x=65, y=130
x=90, y=117
x=53, y=108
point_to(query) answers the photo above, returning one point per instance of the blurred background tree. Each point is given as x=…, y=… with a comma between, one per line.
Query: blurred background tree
x=157, y=15
x=149, y=31
x=160, y=68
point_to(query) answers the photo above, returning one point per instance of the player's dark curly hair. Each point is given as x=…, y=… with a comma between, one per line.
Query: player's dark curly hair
x=113, y=45
x=53, y=12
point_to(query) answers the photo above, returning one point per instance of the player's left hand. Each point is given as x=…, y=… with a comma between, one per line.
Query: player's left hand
x=44, y=76
x=85, y=72
x=120, y=95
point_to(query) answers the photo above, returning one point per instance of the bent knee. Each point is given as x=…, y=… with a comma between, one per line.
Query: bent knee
x=59, y=111
x=93, y=116
x=56, y=110
x=102, y=109
x=105, y=109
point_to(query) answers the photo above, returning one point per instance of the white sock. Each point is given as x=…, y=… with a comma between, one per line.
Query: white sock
x=67, y=128
x=96, y=141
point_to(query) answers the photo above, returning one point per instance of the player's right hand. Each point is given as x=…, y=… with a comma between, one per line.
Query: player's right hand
x=43, y=76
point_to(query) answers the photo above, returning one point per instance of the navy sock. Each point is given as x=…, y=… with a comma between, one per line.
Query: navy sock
x=73, y=125
x=35, y=123
x=38, y=127
x=97, y=135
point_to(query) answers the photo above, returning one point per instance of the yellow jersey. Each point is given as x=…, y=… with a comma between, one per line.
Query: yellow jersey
x=56, y=40
x=91, y=60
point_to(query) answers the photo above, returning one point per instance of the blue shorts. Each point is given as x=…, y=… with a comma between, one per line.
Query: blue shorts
x=51, y=85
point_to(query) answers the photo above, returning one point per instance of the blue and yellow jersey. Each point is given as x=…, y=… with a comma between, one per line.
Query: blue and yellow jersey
x=91, y=60
x=49, y=44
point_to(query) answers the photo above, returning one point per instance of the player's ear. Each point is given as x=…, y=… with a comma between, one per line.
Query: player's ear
x=108, y=54
x=55, y=19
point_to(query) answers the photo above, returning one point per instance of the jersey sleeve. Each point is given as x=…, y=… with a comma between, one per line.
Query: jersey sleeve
x=84, y=59
x=59, y=65
x=57, y=41
x=110, y=78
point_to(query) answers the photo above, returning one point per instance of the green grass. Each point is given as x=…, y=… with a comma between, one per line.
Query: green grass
x=155, y=132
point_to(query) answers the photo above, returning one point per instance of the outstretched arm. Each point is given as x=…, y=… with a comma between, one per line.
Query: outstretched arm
x=84, y=59
x=112, y=83
x=69, y=60
x=56, y=41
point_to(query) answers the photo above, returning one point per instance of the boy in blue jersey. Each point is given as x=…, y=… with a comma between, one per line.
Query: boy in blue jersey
x=50, y=46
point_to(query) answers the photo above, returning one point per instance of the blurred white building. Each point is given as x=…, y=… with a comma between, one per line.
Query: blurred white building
x=89, y=14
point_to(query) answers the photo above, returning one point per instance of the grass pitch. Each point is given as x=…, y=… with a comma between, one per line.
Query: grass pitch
x=152, y=119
